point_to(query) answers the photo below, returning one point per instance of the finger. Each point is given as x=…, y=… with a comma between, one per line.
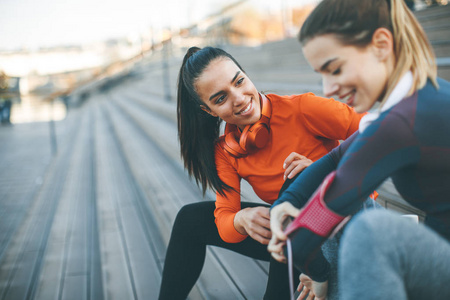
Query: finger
x=263, y=238
x=277, y=231
x=303, y=293
x=311, y=296
x=289, y=168
x=298, y=169
x=278, y=257
x=289, y=159
x=264, y=224
x=275, y=248
x=300, y=287
x=265, y=213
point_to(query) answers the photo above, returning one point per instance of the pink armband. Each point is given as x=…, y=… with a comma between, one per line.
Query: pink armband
x=316, y=216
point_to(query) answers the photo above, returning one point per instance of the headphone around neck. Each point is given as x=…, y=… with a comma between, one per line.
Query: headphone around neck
x=253, y=137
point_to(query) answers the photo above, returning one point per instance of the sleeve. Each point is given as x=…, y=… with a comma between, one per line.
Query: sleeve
x=230, y=203
x=386, y=147
x=329, y=118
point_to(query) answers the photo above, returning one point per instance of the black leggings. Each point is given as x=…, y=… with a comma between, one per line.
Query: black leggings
x=193, y=230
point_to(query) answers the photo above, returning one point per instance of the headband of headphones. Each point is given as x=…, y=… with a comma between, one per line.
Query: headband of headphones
x=253, y=137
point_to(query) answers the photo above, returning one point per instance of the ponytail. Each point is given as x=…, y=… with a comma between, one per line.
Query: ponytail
x=198, y=131
x=412, y=49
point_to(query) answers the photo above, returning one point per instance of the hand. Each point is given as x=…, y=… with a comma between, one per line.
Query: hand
x=278, y=217
x=254, y=221
x=294, y=164
x=316, y=290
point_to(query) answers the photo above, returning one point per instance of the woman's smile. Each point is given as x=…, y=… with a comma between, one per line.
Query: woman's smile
x=247, y=109
x=348, y=98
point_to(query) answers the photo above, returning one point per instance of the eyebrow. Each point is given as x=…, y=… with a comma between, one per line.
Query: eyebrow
x=325, y=65
x=220, y=92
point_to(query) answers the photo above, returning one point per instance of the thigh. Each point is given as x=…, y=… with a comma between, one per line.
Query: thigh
x=197, y=221
x=387, y=255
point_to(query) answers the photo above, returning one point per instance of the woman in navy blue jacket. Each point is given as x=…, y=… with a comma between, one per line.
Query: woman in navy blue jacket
x=374, y=55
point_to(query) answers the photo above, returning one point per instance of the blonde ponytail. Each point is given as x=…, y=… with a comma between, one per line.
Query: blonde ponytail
x=412, y=49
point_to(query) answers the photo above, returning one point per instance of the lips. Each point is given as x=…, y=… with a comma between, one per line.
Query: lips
x=246, y=109
x=348, y=98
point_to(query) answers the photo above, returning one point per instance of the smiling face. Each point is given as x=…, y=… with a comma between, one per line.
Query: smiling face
x=355, y=75
x=228, y=93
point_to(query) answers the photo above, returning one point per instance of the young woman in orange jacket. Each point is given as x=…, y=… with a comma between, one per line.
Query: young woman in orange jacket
x=268, y=139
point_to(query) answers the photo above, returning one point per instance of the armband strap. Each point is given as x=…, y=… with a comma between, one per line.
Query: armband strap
x=316, y=216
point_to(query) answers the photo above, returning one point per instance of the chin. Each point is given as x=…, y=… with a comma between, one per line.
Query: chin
x=362, y=108
x=359, y=109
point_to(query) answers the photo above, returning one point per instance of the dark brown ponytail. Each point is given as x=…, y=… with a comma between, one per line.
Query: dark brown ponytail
x=197, y=130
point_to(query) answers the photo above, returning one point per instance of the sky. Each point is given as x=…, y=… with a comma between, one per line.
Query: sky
x=33, y=24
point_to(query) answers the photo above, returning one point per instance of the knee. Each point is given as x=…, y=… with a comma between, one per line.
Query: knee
x=363, y=227
x=368, y=234
x=193, y=216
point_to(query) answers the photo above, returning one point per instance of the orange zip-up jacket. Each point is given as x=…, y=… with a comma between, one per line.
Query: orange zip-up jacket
x=306, y=124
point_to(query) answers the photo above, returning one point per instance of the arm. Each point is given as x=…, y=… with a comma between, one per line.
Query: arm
x=384, y=148
x=233, y=223
x=229, y=204
x=329, y=118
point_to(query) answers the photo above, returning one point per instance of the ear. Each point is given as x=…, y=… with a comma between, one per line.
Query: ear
x=383, y=43
x=206, y=108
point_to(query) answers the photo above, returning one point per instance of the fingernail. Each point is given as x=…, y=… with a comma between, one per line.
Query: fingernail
x=284, y=166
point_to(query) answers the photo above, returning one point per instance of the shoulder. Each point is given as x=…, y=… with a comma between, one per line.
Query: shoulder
x=293, y=98
x=300, y=102
x=220, y=153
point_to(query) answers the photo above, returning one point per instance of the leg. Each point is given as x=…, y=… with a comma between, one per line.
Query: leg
x=193, y=230
x=386, y=256
x=278, y=282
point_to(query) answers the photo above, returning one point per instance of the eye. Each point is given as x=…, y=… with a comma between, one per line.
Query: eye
x=220, y=99
x=337, y=71
x=239, y=82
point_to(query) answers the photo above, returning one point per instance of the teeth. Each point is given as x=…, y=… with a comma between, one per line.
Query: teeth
x=246, y=110
x=347, y=97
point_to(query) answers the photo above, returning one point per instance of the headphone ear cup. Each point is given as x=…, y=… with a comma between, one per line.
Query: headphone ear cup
x=256, y=137
x=243, y=141
x=232, y=146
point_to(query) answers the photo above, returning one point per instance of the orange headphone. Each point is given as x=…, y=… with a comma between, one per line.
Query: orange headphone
x=253, y=137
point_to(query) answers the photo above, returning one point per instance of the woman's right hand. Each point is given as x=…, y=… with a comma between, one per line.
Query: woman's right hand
x=278, y=217
x=255, y=222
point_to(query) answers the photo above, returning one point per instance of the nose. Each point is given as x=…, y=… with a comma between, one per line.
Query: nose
x=330, y=87
x=239, y=99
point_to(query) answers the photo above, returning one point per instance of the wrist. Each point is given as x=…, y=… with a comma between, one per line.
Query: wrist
x=238, y=222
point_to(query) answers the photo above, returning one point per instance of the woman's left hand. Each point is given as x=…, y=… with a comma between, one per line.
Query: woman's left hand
x=315, y=290
x=294, y=164
x=278, y=216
